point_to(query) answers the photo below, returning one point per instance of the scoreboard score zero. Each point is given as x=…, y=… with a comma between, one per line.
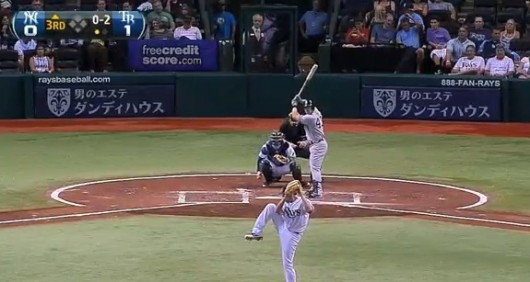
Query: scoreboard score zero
x=79, y=25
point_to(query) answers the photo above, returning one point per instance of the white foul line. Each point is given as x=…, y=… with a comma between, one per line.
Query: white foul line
x=95, y=213
x=482, y=199
x=443, y=216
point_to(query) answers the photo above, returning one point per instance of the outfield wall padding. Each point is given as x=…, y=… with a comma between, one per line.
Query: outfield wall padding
x=222, y=94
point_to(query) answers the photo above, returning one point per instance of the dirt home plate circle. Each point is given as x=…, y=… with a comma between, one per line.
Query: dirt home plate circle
x=241, y=195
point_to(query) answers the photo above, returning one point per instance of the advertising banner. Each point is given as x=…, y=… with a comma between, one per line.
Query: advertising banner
x=431, y=103
x=104, y=99
x=173, y=55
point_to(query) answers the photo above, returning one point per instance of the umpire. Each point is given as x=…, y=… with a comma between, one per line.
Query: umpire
x=294, y=132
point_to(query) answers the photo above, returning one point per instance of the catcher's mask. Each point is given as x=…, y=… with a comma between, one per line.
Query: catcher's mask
x=308, y=106
x=276, y=140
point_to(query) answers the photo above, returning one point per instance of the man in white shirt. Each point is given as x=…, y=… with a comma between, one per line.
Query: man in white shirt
x=24, y=45
x=500, y=65
x=187, y=31
x=470, y=64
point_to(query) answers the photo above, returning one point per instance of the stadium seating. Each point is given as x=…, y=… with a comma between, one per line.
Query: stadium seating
x=8, y=61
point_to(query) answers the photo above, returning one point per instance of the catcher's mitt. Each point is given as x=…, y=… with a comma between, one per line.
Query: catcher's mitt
x=281, y=159
x=292, y=188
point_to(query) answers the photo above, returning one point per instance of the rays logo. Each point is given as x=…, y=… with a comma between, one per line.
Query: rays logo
x=292, y=213
x=59, y=101
x=384, y=101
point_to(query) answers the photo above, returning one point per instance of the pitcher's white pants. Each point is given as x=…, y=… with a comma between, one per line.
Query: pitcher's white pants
x=288, y=240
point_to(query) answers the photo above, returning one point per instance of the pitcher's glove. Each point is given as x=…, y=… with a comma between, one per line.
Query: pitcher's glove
x=293, y=188
x=281, y=159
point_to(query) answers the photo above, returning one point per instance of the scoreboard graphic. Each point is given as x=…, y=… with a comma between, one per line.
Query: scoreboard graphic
x=79, y=25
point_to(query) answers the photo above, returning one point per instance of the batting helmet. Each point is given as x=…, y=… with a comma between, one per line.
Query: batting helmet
x=308, y=106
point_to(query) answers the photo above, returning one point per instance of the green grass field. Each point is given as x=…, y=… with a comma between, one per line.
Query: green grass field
x=160, y=248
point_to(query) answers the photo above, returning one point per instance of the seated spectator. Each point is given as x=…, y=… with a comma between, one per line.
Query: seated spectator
x=358, y=34
x=313, y=28
x=387, y=5
x=524, y=68
x=5, y=7
x=437, y=38
x=40, y=63
x=500, y=65
x=187, y=31
x=161, y=14
x=420, y=7
x=487, y=48
x=182, y=13
x=413, y=17
x=126, y=6
x=101, y=5
x=22, y=45
x=478, y=33
x=409, y=35
x=378, y=17
x=441, y=5
x=36, y=5
x=380, y=10
x=224, y=23
x=509, y=33
x=456, y=47
x=158, y=30
x=384, y=33
x=470, y=64
x=7, y=38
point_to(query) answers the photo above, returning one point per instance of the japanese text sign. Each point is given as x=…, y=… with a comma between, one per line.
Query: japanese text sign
x=431, y=103
x=78, y=100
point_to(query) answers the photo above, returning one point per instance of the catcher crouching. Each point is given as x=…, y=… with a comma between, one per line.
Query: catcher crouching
x=276, y=159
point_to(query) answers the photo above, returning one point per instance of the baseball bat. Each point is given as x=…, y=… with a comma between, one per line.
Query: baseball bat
x=307, y=79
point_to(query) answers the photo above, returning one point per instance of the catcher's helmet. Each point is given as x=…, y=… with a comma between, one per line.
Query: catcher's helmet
x=276, y=139
x=276, y=136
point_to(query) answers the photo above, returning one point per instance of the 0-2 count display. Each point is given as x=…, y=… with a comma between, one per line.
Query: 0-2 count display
x=79, y=24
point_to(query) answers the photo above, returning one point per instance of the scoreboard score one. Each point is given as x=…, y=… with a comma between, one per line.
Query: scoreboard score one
x=79, y=25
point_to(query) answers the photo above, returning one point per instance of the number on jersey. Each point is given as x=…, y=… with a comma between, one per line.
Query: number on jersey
x=318, y=123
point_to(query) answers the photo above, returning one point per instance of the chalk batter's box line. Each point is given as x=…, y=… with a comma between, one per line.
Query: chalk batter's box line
x=207, y=192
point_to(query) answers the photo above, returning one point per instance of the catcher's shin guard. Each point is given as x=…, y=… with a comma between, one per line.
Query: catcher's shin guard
x=296, y=170
x=266, y=170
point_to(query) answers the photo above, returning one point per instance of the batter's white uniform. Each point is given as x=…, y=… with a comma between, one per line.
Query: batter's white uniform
x=314, y=129
x=290, y=225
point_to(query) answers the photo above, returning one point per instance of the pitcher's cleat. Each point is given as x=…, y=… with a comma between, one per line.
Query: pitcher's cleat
x=252, y=236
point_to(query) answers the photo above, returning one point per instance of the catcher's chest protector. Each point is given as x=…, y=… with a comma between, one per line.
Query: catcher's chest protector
x=281, y=151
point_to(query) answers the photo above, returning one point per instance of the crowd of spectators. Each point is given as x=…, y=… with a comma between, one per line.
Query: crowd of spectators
x=432, y=35
x=486, y=41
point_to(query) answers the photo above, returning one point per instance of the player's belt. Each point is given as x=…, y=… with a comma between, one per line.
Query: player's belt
x=318, y=141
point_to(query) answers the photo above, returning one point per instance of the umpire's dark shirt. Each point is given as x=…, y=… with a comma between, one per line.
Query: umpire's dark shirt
x=292, y=133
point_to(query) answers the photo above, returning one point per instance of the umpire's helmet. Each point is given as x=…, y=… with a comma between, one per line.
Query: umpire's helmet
x=308, y=106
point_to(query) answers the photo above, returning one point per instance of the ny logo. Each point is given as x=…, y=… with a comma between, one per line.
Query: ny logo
x=30, y=17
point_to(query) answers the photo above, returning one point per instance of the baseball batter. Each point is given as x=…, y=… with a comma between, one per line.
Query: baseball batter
x=290, y=217
x=316, y=140
x=277, y=158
